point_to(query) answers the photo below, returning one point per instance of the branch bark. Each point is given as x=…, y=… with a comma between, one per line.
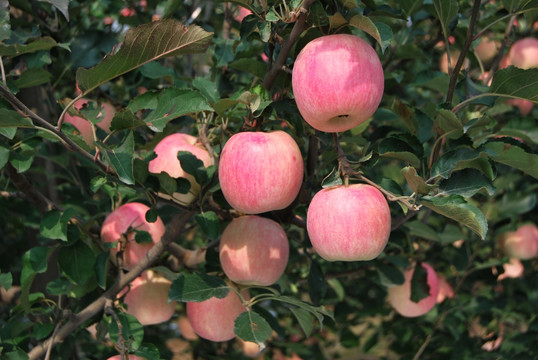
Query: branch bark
x=172, y=232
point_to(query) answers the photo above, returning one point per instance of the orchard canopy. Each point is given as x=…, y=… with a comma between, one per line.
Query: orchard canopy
x=268, y=179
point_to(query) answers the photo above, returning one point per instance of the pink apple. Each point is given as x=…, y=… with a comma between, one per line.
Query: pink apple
x=487, y=49
x=167, y=161
x=122, y=223
x=512, y=269
x=186, y=329
x=254, y=250
x=337, y=82
x=131, y=357
x=400, y=296
x=260, y=171
x=445, y=290
x=349, y=223
x=214, y=319
x=84, y=126
x=525, y=106
x=243, y=13
x=521, y=244
x=250, y=349
x=107, y=113
x=147, y=298
x=524, y=53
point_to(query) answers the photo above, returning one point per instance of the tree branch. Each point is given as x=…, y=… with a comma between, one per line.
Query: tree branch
x=463, y=54
x=297, y=30
x=174, y=228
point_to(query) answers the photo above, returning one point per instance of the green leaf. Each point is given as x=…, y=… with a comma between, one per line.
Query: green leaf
x=250, y=326
x=390, y=275
x=446, y=11
x=381, y=32
x=101, y=269
x=143, y=44
x=305, y=320
x=34, y=261
x=62, y=5
x=125, y=119
x=131, y=330
x=466, y=183
x=416, y=182
x=33, y=77
x=173, y=103
x=516, y=83
x=148, y=352
x=209, y=223
x=332, y=179
x=419, y=284
x=54, y=224
x=11, y=118
x=6, y=280
x=193, y=166
x=449, y=122
x=411, y=6
x=456, y=208
x=197, y=288
x=44, y=43
x=419, y=229
x=77, y=262
x=208, y=88
x=143, y=237
x=121, y=159
x=17, y=354
x=5, y=27
x=399, y=148
x=462, y=158
x=4, y=156
x=317, y=286
x=513, y=156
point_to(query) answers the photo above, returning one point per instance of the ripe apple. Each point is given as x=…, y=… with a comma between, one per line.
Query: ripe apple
x=337, y=82
x=445, y=290
x=186, y=329
x=250, y=349
x=243, y=13
x=147, y=299
x=349, y=223
x=513, y=269
x=400, y=296
x=254, y=250
x=120, y=357
x=214, y=319
x=122, y=223
x=84, y=126
x=520, y=244
x=524, y=53
x=260, y=172
x=487, y=49
x=454, y=55
x=167, y=161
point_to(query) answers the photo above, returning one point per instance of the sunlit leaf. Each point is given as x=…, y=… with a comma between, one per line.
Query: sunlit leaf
x=250, y=326
x=197, y=288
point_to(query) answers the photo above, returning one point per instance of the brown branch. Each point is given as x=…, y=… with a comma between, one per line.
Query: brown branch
x=174, y=228
x=26, y=188
x=463, y=54
x=189, y=258
x=297, y=30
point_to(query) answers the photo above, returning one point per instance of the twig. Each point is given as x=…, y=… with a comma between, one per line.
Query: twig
x=297, y=30
x=465, y=48
x=4, y=81
x=173, y=230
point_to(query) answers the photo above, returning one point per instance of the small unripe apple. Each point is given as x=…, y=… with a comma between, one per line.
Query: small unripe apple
x=250, y=349
x=487, y=49
x=254, y=250
x=167, y=161
x=521, y=244
x=524, y=53
x=214, y=319
x=260, y=171
x=147, y=299
x=337, y=82
x=400, y=296
x=454, y=55
x=349, y=223
x=122, y=223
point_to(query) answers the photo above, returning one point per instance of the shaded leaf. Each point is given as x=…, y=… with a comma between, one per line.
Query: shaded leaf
x=11, y=118
x=332, y=179
x=54, y=224
x=382, y=33
x=250, y=326
x=143, y=44
x=207, y=88
x=516, y=83
x=456, y=208
x=446, y=11
x=416, y=182
x=466, y=183
x=121, y=159
x=317, y=286
x=33, y=77
x=419, y=284
x=197, y=288
x=44, y=43
x=390, y=275
x=4, y=156
x=411, y=6
x=6, y=280
x=125, y=119
x=131, y=330
x=513, y=156
x=209, y=223
x=5, y=27
x=419, y=229
x=462, y=158
x=77, y=262
x=399, y=148
x=305, y=320
x=62, y=5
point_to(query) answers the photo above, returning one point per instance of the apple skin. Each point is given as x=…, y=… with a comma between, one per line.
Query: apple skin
x=131, y=216
x=131, y=357
x=337, y=82
x=454, y=55
x=513, y=269
x=186, y=329
x=521, y=244
x=167, y=161
x=147, y=299
x=214, y=319
x=243, y=13
x=349, y=223
x=254, y=251
x=487, y=49
x=445, y=290
x=524, y=53
x=400, y=296
x=260, y=172
x=84, y=126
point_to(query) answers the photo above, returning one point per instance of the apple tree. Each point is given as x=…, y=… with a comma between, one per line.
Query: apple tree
x=271, y=179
